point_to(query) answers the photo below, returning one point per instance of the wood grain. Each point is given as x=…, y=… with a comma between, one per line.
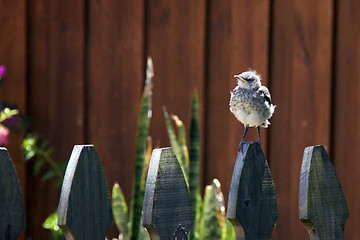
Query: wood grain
x=56, y=32
x=13, y=56
x=116, y=75
x=322, y=204
x=301, y=89
x=176, y=42
x=84, y=207
x=238, y=35
x=346, y=109
x=167, y=212
x=12, y=211
x=252, y=206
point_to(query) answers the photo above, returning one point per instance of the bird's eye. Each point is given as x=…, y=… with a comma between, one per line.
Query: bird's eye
x=250, y=79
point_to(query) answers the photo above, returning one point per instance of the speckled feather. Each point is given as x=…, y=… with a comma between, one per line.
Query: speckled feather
x=250, y=102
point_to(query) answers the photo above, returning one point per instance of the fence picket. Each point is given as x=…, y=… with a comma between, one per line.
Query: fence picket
x=252, y=205
x=167, y=212
x=84, y=207
x=322, y=205
x=12, y=213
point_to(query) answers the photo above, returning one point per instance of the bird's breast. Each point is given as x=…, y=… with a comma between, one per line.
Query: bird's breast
x=249, y=107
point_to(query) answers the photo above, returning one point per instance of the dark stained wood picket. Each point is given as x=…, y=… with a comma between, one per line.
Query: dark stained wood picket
x=84, y=207
x=167, y=212
x=85, y=210
x=12, y=213
x=322, y=205
x=252, y=205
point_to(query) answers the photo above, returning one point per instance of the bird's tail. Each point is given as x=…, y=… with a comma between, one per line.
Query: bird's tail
x=265, y=124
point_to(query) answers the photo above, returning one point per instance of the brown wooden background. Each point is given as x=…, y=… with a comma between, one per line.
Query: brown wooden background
x=78, y=68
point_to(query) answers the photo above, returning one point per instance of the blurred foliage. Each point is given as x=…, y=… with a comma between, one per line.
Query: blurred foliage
x=34, y=147
x=51, y=224
x=214, y=224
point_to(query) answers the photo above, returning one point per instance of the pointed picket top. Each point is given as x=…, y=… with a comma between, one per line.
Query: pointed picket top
x=12, y=213
x=322, y=205
x=84, y=207
x=167, y=212
x=252, y=205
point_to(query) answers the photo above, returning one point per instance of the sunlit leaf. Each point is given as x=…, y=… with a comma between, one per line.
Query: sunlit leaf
x=120, y=210
x=51, y=224
x=140, y=156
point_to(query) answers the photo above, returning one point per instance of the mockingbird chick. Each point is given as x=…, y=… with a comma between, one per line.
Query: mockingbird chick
x=251, y=103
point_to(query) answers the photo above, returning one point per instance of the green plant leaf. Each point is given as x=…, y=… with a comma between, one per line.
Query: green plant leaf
x=194, y=158
x=172, y=137
x=48, y=175
x=120, y=210
x=184, y=153
x=140, y=156
x=213, y=212
x=8, y=113
x=228, y=231
x=28, y=145
x=51, y=224
x=38, y=165
x=175, y=145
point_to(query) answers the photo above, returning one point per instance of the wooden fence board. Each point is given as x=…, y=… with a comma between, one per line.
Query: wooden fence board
x=346, y=108
x=13, y=56
x=252, y=206
x=55, y=91
x=175, y=39
x=84, y=206
x=115, y=77
x=322, y=205
x=238, y=35
x=300, y=85
x=12, y=211
x=50, y=48
x=167, y=212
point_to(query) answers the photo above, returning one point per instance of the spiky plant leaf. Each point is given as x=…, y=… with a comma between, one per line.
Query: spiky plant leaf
x=181, y=139
x=120, y=210
x=172, y=137
x=140, y=158
x=194, y=157
x=213, y=223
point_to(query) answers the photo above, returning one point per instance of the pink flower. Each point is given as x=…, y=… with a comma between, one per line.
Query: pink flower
x=2, y=71
x=4, y=133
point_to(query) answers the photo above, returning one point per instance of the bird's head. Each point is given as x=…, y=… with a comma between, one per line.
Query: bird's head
x=248, y=80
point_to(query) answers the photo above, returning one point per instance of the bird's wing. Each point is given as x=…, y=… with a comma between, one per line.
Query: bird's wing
x=264, y=92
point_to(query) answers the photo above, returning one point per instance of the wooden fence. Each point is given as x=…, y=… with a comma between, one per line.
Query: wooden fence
x=85, y=209
x=77, y=67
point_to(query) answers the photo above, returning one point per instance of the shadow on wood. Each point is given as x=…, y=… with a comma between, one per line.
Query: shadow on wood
x=84, y=207
x=167, y=212
x=252, y=205
x=12, y=213
x=322, y=205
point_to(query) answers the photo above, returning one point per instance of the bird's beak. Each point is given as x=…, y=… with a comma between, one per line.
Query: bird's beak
x=239, y=78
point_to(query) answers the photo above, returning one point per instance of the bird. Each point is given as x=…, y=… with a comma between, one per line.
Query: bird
x=250, y=102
